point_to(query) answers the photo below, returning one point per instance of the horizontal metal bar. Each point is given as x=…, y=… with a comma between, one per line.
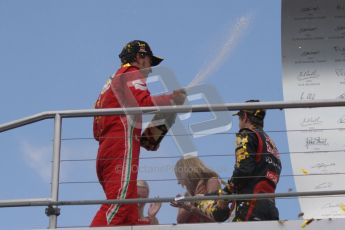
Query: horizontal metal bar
x=169, y=199
x=25, y=202
x=26, y=121
x=203, y=108
x=171, y=109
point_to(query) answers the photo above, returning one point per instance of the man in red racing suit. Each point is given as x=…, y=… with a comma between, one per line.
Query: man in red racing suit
x=257, y=168
x=119, y=135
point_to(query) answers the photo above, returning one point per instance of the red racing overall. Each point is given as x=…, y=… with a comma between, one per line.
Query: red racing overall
x=119, y=143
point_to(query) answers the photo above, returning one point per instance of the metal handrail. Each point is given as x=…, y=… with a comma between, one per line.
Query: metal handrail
x=171, y=109
x=47, y=202
x=53, y=201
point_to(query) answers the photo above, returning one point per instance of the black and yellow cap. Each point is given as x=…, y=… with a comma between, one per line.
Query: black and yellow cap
x=257, y=113
x=130, y=50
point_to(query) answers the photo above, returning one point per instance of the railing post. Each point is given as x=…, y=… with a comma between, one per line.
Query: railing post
x=53, y=211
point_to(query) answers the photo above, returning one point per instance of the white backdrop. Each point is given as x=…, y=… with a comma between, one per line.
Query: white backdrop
x=313, y=51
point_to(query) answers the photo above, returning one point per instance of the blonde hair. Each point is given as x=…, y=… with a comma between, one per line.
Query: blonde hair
x=143, y=183
x=191, y=171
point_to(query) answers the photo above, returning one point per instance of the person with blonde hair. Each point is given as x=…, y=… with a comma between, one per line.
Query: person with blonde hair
x=198, y=179
x=195, y=176
x=143, y=191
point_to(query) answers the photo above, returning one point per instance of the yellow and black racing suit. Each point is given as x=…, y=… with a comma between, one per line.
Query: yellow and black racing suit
x=257, y=170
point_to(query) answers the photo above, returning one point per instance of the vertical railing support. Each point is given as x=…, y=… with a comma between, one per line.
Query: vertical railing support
x=53, y=211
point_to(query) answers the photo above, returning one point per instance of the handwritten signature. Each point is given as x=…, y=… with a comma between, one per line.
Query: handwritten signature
x=307, y=96
x=339, y=28
x=307, y=29
x=315, y=141
x=307, y=75
x=331, y=205
x=340, y=72
x=323, y=165
x=341, y=96
x=324, y=185
x=311, y=121
x=341, y=119
x=310, y=53
x=310, y=10
x=339, y=49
